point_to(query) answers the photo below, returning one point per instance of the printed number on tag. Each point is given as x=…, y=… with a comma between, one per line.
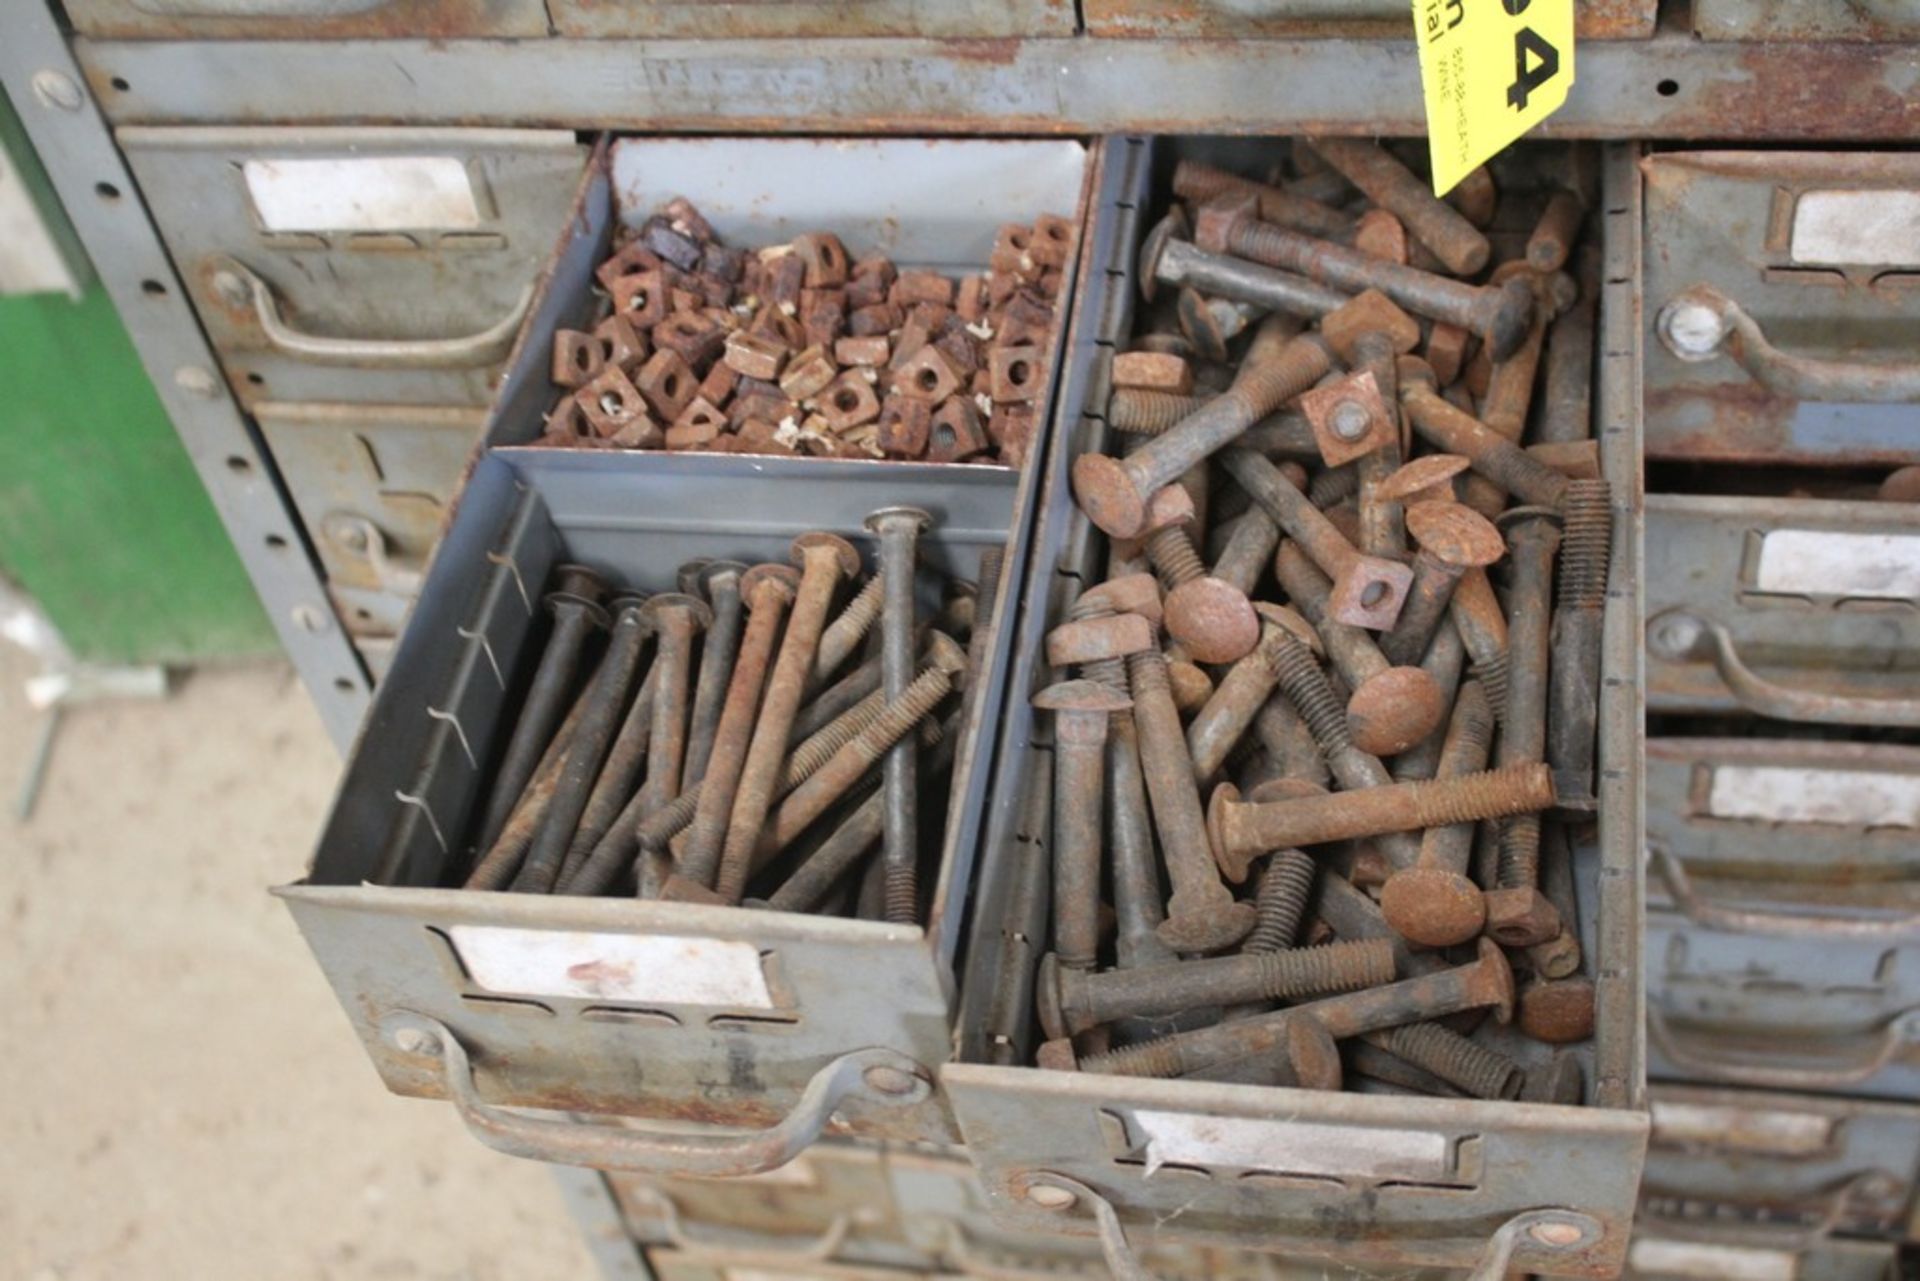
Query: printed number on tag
x=1489, y=70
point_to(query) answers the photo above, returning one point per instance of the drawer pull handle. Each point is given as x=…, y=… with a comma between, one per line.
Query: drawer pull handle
x=1545, y=1230
x=242, y=287
x=874, y=1075
x=749, y=1248
x=1702, y=322
x=1739, y=920
x=1733, y=1070
x=1866, y=1186
x=1678, y=634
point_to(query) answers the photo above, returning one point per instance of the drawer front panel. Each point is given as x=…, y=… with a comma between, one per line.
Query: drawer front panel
x=759, y=18
x=306, y=19
x=1244, y=19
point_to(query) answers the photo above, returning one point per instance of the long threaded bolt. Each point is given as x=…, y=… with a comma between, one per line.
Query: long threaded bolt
x=1382, y=520
x=1236, y=700
x=1397, y=189
x=1288, y=743
x=1573, y=711
x=1286, y=884
x=849, y=627
x=1197, y=183
x=824, y=559
x=589, y=748
x=1202, y=915
x=1534, y=536
x=1453, y=538
x=1082, y=711
x=898, y=529
x=1073, y=1000
x=850, y=764
x=721, y=580
x=1114, y=491
x=1488, y=981
x=576, y=615
x=1434, y=903
x=1464, y=1064
x=1142, y=411
x=1167, y=259
x=618, y=781
x=496, y=868
x=676, y=620
x=767, y=591
x=1482, y=624
x=1489, y=453
x=1248, y=829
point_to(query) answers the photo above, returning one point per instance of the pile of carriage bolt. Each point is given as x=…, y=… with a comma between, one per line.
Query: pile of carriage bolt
x=798, y=349
x=786, y=726
x=1343, y=670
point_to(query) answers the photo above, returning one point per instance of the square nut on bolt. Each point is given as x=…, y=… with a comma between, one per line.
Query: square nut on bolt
x=1349, y=418
x=1369, y=592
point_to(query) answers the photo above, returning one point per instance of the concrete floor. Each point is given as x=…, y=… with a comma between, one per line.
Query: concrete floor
x=180, y=1095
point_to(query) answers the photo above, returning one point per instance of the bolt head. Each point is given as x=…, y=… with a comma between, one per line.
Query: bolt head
x=1091, y=640
x=1455, y=534
x=1046, y=998
x=1558, y=1011
x=1692, y=328
x=667, y=608
x=579, y=580
x=890, y=1080
x=1191, y=686
x=1312, y=1054
x=1511, y=319
x=1427, y=479
x=819, y=544
x=778, y=581
x=1215, y=220
x=1128, y=594
x=1213, y=926
x=1106, y=493
x=688, y=577
x=1497, y=975
x=1675, y=636
x=1394, y=709
x=1220, y=808
x=946, y=653
x=1213, y=620
x=1170, y=228
x=1349, y=420
x=900, y=518
x=1049, y=1196
x=715, y=575
x=1289, y=620
x=1081, y=696
x=1432, y=906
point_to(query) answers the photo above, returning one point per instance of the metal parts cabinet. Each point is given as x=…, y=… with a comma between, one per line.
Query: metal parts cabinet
x=332, y=365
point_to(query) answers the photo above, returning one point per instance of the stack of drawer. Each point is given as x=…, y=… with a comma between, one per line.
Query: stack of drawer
x=1783, y=697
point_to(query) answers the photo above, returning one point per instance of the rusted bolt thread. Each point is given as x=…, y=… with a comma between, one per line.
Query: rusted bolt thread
x=1198, y=183
x=1523, y=738
x=1586, y=544
x=1465, y=1064
x=495, y=870
x=844, y=634
x=1352, y=652
x=1306, y=686
x=717, y=655
x=1286, y=883
x=1333, y=486
x=1397, y=189
x=1088, y=1000
x=1489, y=453
x=1250, y=827
x=1142, y=411
x=1492, y=674
x=1288, y=742
x=1291, y=510
x=899, y=529
x=1405, y=643
x=1173, y=556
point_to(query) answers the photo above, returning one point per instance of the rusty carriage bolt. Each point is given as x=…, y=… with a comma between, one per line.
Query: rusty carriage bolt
x=1198, y=183
x=1558, y=1011
x=1145, y=411
x=1464, y=1064
x=719, y=581
x=1485, y=983
x=1573, y=708
x=1072, y=1000
x=1244, y=830
x=1248, y=550
x=495, y=868
x=1560, y=956
x=1488, y=452
x=1082, y=711
x=1367, y=590
x=675, y=620
x=1202, y=915
x=1168, y=258
x=823, y=559
x=576, y=612
x=1209, y=617
x=1241, y=693
x=1114, y=492
x=1445, y=661
x=586, y=754
x=848, y=628
x=1477, y=615
x=898, y=529
x=1552, y=238
x=1451, y=538
x=1370, y=334
x=1518, y=915
x=1393, y=706
x=1397, y=189
x=1499, y=314
x=618, y=782
x=1434, y=903
x=1428, y=479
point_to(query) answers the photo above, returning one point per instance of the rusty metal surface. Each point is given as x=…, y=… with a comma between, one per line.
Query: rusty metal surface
x=1658, y=1258
x=1670, y=86
x=307, y=19
x=1804, y=20
x=1265, y=19
x=1739, y=223
x=675, y=19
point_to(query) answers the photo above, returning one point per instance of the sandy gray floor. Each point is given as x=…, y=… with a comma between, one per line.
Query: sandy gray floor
x=179, y=1094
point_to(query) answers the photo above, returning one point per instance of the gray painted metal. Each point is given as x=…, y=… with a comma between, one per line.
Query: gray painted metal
x=1787, y=1163
x=1727, y=220
x=1024, y=1124
x=443, y=255
x=591, y=1201
x=1656, y=1258
x=1670, y=86
x=675, y=19
x=1748, y=565
x=107, y=211
x=306, y=19
x=1805, y=20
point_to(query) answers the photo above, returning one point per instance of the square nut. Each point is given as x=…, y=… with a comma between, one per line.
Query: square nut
x=958, y=434
x=633, y=259
x=644, y=298
x=807, y=374
x=719, y=382
x=698, y=424
x=1052, y=240
x=1154, y=370
x=825, y=257
x=696, y=338
x=911, y=287
x=871, y=351
x=823, y=314
x=621, y=343
x=1016, y=374
x=610, y=402
x=927, y=376
x=848, y=402
x=755, y=355
x=668, y=385
x=905, y=426
x=1349, y=418
x=578, y=358
x=1012, y=252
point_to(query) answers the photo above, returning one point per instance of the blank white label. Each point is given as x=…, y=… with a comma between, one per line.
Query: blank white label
x=367, y=193
x=1741, y=1129
x=1844, y=798
x=647, y=969
x=1293, y=1147
x=1818, y=562
x=1711, y=1262
x=1870, y=228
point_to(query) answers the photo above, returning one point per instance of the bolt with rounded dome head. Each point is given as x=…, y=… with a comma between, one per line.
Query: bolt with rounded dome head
x=1082, y=711
x=1209, y=616
x=1451, y=538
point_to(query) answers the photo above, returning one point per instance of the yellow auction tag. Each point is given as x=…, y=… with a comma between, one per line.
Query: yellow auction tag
x=1490, y=70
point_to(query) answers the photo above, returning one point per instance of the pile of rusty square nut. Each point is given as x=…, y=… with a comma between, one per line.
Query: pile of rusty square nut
x=743, y=762
x=800, y=349
x=1344, y=666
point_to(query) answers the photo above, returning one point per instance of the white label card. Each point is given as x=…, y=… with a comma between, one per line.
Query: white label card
x=1741, y=1129
x=1818, y=562
x=1842, y=798
x=1650, y=1256
x=1867, y=228
x=363, y=193
x=645, y=969
x=1293, y=1147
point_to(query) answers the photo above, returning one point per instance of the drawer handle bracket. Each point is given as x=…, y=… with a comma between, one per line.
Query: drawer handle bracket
x=1730, y=1069
x=1717, y=916
x=1702, y=322
x=242, y=287
x=874, y=1075
x=1678, y=634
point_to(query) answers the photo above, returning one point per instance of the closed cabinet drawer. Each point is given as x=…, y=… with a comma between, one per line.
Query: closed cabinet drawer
x=1593, y=19
x=306, y=19
x=745, y=18
x=1795, y=609
x=1661, y=1258
x=381, y=266
x=1786, y=1164
x=1806, y=20
x=1784, y=293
